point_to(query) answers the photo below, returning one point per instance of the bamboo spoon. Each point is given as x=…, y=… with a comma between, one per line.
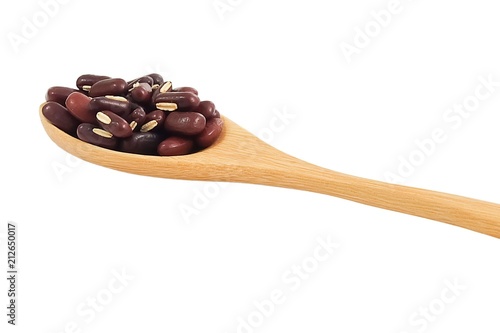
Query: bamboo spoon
x=239, y=156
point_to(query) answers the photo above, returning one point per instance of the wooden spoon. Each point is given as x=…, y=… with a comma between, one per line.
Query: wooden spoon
x=239, y=156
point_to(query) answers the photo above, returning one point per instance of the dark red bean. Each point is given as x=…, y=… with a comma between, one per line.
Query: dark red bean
x=138, y=116
x=207, y=109
x=142, y=93
x=78, y=104
x=142, y=143
x=175, y=145
x=186, y=89
x=216, y=114
x=176, y=101
x=187, y=123
x=143, y=79
x=165, y=87
x=157, y=78
x=59, y=94
x=60, y=117
x=153, y=121
x=116, y=87
x=85, y=81
x=111, y=103
x=114, y=124
x=210, y=133
x=94, y=135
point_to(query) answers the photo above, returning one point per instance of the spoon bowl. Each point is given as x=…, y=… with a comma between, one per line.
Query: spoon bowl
x=239, y=156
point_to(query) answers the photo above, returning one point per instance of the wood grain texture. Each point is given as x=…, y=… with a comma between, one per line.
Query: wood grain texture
x=239, y=156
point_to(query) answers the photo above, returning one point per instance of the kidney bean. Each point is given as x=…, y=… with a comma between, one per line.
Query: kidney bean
x=116, y=104
x=176, y=101
x=114, y=124
x=216, y=114
x=206, y=108
x=165, y=87
x=142, y=143
x=85, y=81
x=96, y=136
x=78, y=104
x=157, y=78
x=187, y=123
x=210, y=133
x=143, y=79
x=60, y=117
x=153, y=121
x=136, y=118
x=186, y=89
x=141, y=93
x=116, y=87
x=58, y=94
x=175, y=145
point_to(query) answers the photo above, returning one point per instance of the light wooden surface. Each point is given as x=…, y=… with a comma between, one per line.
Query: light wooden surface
x=239, y=156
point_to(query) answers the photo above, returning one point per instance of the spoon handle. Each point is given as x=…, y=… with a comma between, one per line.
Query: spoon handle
x=476, y=215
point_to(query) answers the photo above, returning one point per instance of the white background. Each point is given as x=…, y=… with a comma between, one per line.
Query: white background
x=260, y=57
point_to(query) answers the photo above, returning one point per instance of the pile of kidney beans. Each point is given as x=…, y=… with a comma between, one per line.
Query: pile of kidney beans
x=145, y=116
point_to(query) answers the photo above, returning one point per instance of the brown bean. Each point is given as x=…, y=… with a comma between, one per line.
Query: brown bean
x=142, y=93
x=175, y=145
x=206, y=108
x=142, y=143
x=111, y=103
x=78, y=105
x=153, y=121
x=187, y=123
x=136, y=118
x=85, y=81
x=157, y=78
x=165, y=87
x=60, y=117
x=210, y=133
x=59, y=94
x=176, y=101
x=143, y=79
x=96, y=136
x=116, y=87
x=114, y=124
